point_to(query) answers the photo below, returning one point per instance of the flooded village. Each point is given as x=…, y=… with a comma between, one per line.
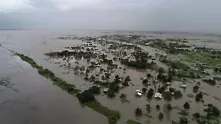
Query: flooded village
x=118, y=77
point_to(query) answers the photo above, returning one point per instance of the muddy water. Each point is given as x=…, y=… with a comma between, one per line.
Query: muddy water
x=38, y=101
x=35, y=100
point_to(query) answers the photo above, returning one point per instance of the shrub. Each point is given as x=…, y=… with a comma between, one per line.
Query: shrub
x=167, y=95
x=183, y=120
x=148, y=107
x=183, y=113
x=177, y=94
x=123, y=96
x=161, y=89
x=145, y=81
x=171, y=89
x=110, y=93
x=199, y=96
x=195, y=88
x=210, y=81
x=144, y=90
x=149, y=75
x=113, y=88
x=161, y=70
x=127, y=79
x=150, y=93
x=160, y=116
x=186, y=105
x=95, y=90
x=138, y=112
x=169, y=107
x=132, y=122
x=157, y=107
x=212, y=111
x=196, y=115
x=86, y=96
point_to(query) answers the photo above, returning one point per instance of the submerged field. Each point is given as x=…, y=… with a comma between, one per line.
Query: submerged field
x=178, y=78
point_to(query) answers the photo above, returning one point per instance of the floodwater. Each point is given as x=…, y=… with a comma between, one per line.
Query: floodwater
x=32, y=99
x=36, y=100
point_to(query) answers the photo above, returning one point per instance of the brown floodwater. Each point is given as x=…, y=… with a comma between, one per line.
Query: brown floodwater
x=36, y=100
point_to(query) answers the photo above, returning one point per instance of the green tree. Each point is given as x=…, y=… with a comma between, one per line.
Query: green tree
x=167, y=95
x=186, y=105
x=169, y=107
x=158, y=107
x=138, y=112
x=196, y=115
x=183, y=120
x=160, y=116
x=161, y=70
x=148, y=107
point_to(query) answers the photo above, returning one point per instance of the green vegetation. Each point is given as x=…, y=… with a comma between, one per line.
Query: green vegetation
x=186, y=105
x=177, y=94
x=76, y=54
x=160, y=116
x=113, y=88
x=112, y=115
x=196, y=115
x=183, y=113
x=132, y=122
x=150, y=93
x=212, y=115
x=199, y=96
x=167, y=95
x=4, y=83
x=203, y=57
x=29, y=60
x=183, y=120
x=179, y=69
x=158, y=107
x=123, y=96
x=148, y=107
x=140, y=62
x=86, y=96
x=138, y=112
x=195, y=88
x=212, y=111
x=175, y=64
x=169, y=107
x=210, y=81
x=95, y=90
x=217, y=78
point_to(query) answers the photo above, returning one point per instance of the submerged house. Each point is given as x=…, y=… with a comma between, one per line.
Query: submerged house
x=158, y=95
x=138, y=93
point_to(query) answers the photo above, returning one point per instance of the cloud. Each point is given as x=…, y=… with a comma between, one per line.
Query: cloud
x=12, y=5
x=172, y=15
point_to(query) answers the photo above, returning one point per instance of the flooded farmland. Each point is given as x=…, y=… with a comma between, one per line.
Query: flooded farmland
x=168, y=64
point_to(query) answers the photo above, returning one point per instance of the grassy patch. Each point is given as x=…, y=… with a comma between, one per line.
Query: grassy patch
x=4, y=83
x=176, y=64
x=202, y=58
x=210, y=81
x=132, y=122
x=112, y=115
x=29, y=60
x=217, y=78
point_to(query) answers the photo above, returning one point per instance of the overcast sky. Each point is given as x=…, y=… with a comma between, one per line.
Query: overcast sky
x=156, y=15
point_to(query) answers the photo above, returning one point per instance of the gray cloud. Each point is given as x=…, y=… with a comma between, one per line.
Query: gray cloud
x=172, y=15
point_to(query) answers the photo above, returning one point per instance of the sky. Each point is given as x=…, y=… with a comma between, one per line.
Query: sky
x=140, y=15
